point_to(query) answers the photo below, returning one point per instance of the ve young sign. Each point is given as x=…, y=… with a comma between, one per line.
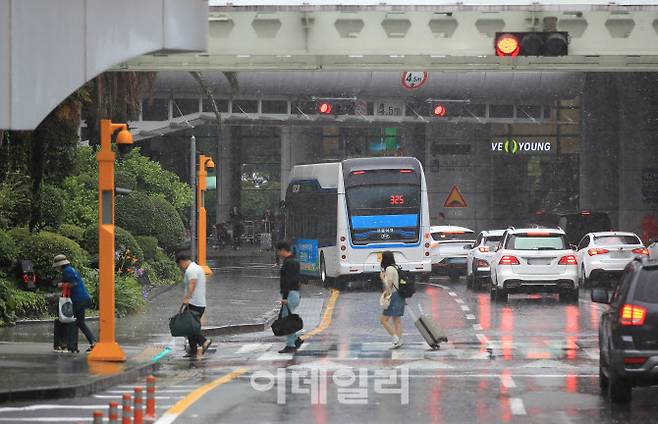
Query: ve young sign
x=511, y=146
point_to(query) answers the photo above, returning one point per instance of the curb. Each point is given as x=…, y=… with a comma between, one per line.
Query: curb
x=80, y=390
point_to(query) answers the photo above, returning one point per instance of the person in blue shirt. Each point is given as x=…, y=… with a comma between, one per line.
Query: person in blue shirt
x=79, y=295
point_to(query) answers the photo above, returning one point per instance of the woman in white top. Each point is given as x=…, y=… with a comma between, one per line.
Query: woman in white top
x=391, y=300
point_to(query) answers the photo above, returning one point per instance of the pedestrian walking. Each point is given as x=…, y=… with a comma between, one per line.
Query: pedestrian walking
x=194, y=290
x=289, y=287
x=79, y=295
x=391, y=300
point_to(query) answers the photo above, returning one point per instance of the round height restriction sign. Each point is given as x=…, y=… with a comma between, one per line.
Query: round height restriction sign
x=413, y=80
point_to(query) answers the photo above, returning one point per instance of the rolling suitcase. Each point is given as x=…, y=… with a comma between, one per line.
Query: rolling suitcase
x=428, y=328
x=65, y=336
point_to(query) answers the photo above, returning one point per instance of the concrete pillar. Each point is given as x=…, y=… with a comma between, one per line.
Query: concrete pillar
x=286, y=157
x=638, y=145
x=599, y=145
x=225, y=170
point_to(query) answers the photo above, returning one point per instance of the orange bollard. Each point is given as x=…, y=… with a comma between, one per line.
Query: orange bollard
x=127, y=416
x=150, y=398
x=138, y=408
x=98, y=417
x=113, y=415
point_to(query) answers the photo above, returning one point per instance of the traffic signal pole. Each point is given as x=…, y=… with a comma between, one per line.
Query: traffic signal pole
x=205, y=162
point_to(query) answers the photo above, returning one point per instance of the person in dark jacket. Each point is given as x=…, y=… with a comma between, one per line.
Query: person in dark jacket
x=289, y=287
x=79, y=295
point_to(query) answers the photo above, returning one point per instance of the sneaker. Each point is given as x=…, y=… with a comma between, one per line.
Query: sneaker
x=288, y=349
x=205, y=346
x=298, y=343
x=90, y=348
x=396, y=343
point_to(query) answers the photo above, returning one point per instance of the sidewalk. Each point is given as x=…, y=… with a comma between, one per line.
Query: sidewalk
x=237, y=303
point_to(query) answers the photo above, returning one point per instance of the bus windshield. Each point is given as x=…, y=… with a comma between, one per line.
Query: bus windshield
x=384, y=213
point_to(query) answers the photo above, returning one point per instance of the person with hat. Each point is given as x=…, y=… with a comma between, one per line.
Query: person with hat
x=79, y=295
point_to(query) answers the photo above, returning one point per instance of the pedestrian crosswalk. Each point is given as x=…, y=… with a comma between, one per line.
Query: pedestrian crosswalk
x=556, y=352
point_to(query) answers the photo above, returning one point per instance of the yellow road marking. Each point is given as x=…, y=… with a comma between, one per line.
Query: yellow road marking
x=326, y=317
x=197, y=394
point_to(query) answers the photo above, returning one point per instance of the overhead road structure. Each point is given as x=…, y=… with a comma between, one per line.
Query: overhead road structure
x=426, y=36
x=48, y=49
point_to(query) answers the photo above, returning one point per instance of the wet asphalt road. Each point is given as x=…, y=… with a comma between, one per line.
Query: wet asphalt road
x=532, y=359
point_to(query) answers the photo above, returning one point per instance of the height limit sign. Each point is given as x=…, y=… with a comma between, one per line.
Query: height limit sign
x=414, y=80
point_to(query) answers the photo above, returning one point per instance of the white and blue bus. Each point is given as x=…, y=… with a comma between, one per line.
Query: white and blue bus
x=341, y=216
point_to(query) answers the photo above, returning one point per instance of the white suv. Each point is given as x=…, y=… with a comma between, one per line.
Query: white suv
x=478, y=260
x=606, y=254
x=530, y=260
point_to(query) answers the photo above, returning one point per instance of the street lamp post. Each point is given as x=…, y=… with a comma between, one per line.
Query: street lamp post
x=107, y=349
x=205, y=162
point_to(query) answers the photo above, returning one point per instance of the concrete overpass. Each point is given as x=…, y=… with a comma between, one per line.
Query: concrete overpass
x=425, y=35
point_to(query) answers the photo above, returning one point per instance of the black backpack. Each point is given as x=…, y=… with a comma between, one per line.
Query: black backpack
x=407, y=283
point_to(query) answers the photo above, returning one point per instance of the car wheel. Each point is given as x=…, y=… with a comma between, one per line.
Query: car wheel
x=584, y=281
x=570, y=296
x=619, y=390
x=501, y=295
x=603, y=379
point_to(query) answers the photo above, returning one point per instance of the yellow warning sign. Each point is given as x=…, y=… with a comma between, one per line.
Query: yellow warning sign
x=455, y=199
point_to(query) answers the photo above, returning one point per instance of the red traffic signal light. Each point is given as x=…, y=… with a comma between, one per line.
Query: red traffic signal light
x=324, y=108
x=513, y=44
x=439, y=110
x=507, y=45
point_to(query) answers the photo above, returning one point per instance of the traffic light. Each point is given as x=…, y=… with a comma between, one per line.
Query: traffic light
x=513, y=44
x=439, y=110
x=335, y=106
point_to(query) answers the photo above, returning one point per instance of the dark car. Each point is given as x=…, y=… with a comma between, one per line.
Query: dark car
x=628, y=332
x=575, y=224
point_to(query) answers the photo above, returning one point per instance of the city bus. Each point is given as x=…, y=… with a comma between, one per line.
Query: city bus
x=341, y=216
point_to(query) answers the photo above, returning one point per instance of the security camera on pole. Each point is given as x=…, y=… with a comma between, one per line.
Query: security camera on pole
x=107, y=349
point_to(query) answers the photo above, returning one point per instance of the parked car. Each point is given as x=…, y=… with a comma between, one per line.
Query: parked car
x=449, y=248
x=478, y=260
x=574, y=223
x=628, y=331
x=533, y=260
x=603, y=256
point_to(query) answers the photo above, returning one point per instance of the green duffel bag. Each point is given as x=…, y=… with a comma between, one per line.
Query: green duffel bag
x=184, y=323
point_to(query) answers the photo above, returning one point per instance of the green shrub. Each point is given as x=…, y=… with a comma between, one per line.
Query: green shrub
x=41, y=247
x=128, y=295
x=29, y=304
x=75, y=233
x=149, y=245
x=81, y=200
x=123, y=241
x=163, y=272
x=52, y=206
x=146, y=215
x=15, y=199
x=19, y=234
x=7, y=305
x=8, y=250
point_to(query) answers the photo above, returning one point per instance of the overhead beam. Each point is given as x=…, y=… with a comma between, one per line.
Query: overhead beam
x=612, y=38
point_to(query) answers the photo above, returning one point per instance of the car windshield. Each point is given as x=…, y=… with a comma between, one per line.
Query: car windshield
x=526, y=242
x=492, y=241
x=463, y=235
x=616, y=240
x=647, y=288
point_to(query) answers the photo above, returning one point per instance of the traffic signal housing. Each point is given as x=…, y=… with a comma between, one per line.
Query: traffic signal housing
x=511, y=44
x=335, y=107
